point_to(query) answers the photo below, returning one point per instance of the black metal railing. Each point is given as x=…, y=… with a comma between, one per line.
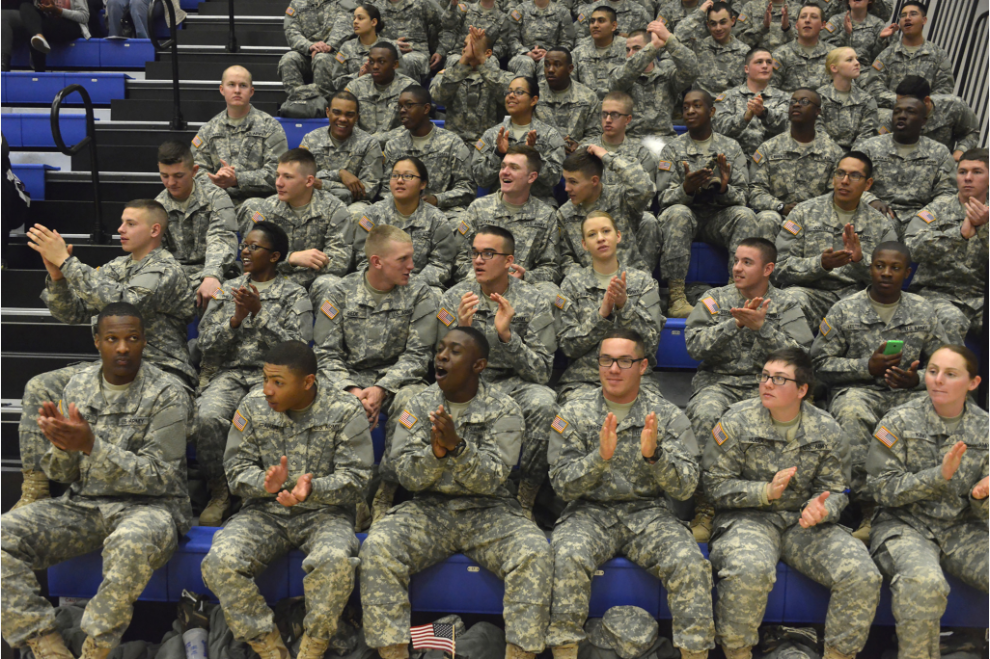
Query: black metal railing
x=99, y=237
x=178, y=122
x=231, y=36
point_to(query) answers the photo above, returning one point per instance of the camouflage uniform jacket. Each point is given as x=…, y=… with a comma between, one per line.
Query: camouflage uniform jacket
x=286, y=315
x=360, y=154
x=720, y=66
x=952, y=123
x=379, y=109
x=139, y=445
x=330, y=440
x=361, y=344
x=672, y=12
x=534, y=228
x=626, y=489
x=629, y=13
x=491, y=427
x=784, y=173
x=549, y=143
x=474, y=98
x=730, y=116
x=748, y=452
x=342, y=30
x=351, y=56
x=794, y=68
x=865, y=38
x=528, y=26
x=905, y=469
x=593, y=70
x=529, y=353
x=575, y=113
x=735, y=355
x=849, y=121
x=655, y=94
x=416, y=20
x=625, y=201
x=631, y=149
x=203, y=237
x=907, y=184
x=581, y=328
x=811, y=228
x=882, y=9
x=326, y=227
x=948, y=264
x=457, y=18
x=307, y=22
x=852, y=331
x=683, y=150
x=447, y=160
x=749, y=24
x=156, y=285
x=895, y=63
x=434, y=243
x=253, y=147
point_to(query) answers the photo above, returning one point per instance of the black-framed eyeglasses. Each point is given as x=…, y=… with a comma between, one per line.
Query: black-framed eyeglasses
x=517, y=92
x=404, y=176
x=614, y=116
x=486, y=254
x=253, y=247
x=804, y=102
x=624, y=362
x=855, y=177
x=778, y=380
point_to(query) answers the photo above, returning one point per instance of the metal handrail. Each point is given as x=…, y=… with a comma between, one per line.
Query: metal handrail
x=232, y=36
x=178, y=122
x=99, y=236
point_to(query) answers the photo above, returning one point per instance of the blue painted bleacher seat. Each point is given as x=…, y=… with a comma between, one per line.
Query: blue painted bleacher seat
x=34, y=131
x=93, y=54
x=21, y=88
x=672, y=352
x=33, y=176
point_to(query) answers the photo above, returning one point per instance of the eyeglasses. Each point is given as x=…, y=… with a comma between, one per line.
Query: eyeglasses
x=804, y=102
x=855, y=177
x=253, y=247
x=517, y=92
x=405, y=177
x=624, y=362
x=778, y=380
x=486, y=254
x=614, y=116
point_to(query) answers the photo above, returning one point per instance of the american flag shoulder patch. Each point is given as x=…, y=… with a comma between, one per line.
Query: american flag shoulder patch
x=217, y=293
x=516, y=16
x=329, y=310
x=878, y=65
x=792, y=227
x=480, y=145
x=446, y=317
x=718, y=432
x=711, y=305
x=559, y=424
x=886, y=437
x=340, y=57
x=257, y=217
x=407, y=419
x=742, y=18
x=560, y=302
x=197, y=141
x=720, y=98
x=290, y=11
x=883, y=130
x=927, y=216
x=462, y=228
x=776, y=65
x=830, y=27
x=757, y=157
x=366, y=223
x=824, y=328
x=664, y=166
x=239, y=421
x=462, y=7
x=580, y=18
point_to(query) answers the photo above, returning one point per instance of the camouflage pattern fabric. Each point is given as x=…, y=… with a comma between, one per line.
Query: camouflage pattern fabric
x=794, y=68
x=730, y=116
x=474, y=97
x=720, y=66
x=896, y=63
x=459, y=16
x=418, y=21
x=448, y=161
x=847, y=121
x=528, y=26
x=549, y=143
x=592, y=69
x=351, y=56
x=864, y=39
x=630, y=14
x=379, y=107
x=951, y=123
x=576, y=113
x=360, y=154
x=203, y=236
x=749, y=24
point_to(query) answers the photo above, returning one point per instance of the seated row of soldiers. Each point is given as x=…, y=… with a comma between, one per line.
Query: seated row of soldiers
x=299, y=453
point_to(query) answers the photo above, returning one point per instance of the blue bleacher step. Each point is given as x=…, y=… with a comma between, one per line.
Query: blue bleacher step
x=23, y=88
x=92, y=54
x=672, y=351
x=34, y=131
x=33, y=176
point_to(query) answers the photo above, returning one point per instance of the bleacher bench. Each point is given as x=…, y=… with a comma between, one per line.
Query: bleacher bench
x=32, y=176
x=34, y=131
x=24, y=88
x=92, y=54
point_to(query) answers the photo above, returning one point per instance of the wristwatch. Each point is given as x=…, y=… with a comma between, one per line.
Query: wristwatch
x=780, y=208
x=457, y=450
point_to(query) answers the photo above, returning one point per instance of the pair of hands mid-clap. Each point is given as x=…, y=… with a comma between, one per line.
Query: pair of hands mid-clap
x=814, y=513
x=950, y=464
x=275, y=478
x=608, y=438
x=503, y=315
x=695, y=181
x=851, y=252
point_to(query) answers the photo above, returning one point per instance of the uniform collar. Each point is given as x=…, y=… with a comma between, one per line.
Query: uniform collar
x=477, y=409
x=127, y=403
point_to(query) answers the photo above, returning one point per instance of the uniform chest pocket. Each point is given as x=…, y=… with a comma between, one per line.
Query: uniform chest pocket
x=819, y=240
x=760, y=461
x=922, y=452
x=809, y=461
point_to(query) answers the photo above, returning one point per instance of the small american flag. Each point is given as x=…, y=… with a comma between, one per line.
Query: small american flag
x=446, y=317
x=407, y=419
x=886, y=437
x=719, y=434
x=438, y=636
x=558, y=424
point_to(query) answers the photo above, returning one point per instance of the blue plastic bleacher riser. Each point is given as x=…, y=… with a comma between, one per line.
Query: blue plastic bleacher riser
x=32, y=176
x=21, y=88
x=709, y=265
x=93, y=54
x=34, y=131
x=81, y=577
x=672, y=351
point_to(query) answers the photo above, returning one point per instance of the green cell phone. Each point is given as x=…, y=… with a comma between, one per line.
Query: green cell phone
x=893, y=347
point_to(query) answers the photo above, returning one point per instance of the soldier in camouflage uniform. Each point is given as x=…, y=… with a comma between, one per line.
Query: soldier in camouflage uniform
x=532, y=28
x=307, y=26
x=374, y=334
x=882, y=9
x=378, y=93
x=768, y=23
x=912, y=54
x=910, y=171
x=615, y=452
x=721, y=55
x=117, y=436
x=348, y=160
x=857, y=29
x=415, y=27
x=246, y=318
x=950, y=120
x=801, y=63
x=754, y=111
x=566, y=104
x=595, y=58
x=318, y=225
x=927, y=468
x=597, y=299
x=948, y=239
x=776, y=472
x=629, y=15
x=517, y=319
x=849, y=356
x=617, y=112
x=454, y=447
x=702, y=187
x=147, y=277
x=294, y=497
x=794, y=167
x=459, y=17
x=448, y=160
x=532, y=223
x=825, y=244
x=654, y=85
x=434, y=244
x=351, y=61
x=520, y=127
x=672, y=12
x=238, y=149
x=848, y=114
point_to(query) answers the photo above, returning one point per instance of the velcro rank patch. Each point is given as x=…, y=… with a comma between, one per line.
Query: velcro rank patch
x=560, y=302
x=197, y=141
x=824, y=328
x=711, y=305
x=927, y=216
x=718, y=432
x=407, y=419
x=580, y=18
x=883, y=130
x=329, y=310
x=792, y=227
x=446, y=317
x=239, y=421
x=664, y=166
x=886, y=437
x=559, y=424
x=366, y=223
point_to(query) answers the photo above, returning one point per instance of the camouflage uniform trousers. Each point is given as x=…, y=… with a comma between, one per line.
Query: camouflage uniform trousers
x=39, y=389
x=768, y=224
x=919, y=591
x=524, y=65
x=665, y=548
x=858, y=410
x=744, y=552
x=294, y=69
x=419, y=533
x=539, y=405
x=253, y=538
x=136, y=539
x=215, y=407
x=707, y=405
x=680, y=224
